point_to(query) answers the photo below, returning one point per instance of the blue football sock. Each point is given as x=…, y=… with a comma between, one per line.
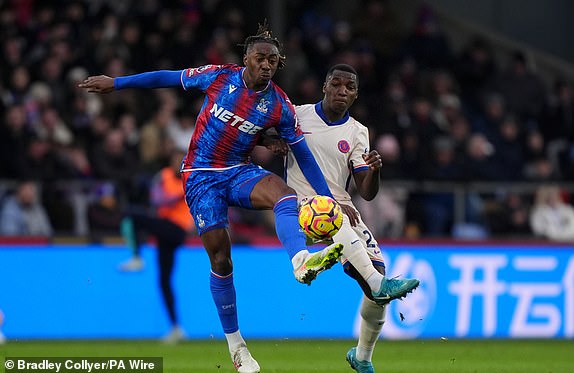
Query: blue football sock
x=223, y=293
x=287, y=225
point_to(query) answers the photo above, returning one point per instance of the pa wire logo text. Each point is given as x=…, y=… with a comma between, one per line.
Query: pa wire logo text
x=84, y=364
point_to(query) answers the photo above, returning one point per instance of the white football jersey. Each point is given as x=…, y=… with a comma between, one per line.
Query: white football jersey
x=337, y=147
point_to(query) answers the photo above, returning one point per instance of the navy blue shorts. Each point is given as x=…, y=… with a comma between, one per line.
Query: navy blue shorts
x=209, y=193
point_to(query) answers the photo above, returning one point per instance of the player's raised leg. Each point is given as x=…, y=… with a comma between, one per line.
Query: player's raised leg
x=272, y=192
x=383, y=289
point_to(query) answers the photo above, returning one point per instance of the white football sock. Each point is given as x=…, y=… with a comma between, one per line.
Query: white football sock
x=374, y=280
x=356, y=254
x=372, y=320
x=234, y=341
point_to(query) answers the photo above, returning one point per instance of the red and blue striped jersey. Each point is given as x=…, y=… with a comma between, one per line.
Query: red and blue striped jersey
x=232, y=117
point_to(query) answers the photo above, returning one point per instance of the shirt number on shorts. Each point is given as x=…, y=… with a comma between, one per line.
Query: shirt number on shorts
x=369, y=238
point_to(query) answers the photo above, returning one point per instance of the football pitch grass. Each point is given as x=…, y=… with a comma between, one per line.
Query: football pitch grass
x=325, y=356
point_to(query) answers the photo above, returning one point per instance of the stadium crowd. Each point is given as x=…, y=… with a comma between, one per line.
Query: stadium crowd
x=435, y=114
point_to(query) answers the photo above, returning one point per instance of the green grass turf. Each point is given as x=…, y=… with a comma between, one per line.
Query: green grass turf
x=326, y=356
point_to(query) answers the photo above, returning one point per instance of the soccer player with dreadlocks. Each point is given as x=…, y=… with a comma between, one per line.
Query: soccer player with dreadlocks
x=240, y=103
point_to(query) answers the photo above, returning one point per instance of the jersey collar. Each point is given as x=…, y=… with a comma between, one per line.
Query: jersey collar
x=321, y=113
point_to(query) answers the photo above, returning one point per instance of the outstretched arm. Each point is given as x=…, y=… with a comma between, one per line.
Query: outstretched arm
x=152, y=79
x=310, y=168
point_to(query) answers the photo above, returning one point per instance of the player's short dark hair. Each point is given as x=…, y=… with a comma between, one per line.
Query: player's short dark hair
x=264, y=35
x=342, y=67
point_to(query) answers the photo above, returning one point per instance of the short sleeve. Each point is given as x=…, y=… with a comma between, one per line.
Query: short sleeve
x=361, y=147
x=289, y=128
x=200, y=77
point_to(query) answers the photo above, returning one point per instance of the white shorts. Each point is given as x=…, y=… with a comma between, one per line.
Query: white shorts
x=368, y=241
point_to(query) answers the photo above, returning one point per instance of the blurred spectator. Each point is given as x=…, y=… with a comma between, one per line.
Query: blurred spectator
x=411, y=156
x=442, y=165
x=18, y=92
x=76, y=163
x=52, y=73
x=22, y=214
x=522, y=88
x=113, y=161
x=100, y=126
x=459, y=133
x=550, y=216
x=298, y=63
x=558, y=128
x=376, y=23
x=53, y=129
x=409, y=74
x=128, y=125
x=104, y=212
x=540, y=169
x=538, y=166
x=441, y=83
x=507, y=214
x=307, y=89
x=535, y=145
x=58, y=204
x=390, y=151
x=427, y=44
x=181, y=130
x=79, y=119
x=447, y=110
x=567, y=162
x=41, y=162
x=559, y=114
x=424, y=125
x=219, y=51
x=395, y=110
x=438, y=208
x=481, y=163
x=510, y=150
x=14, y=136
x=489, y=119
x=474, y=70
x=385, y=214
x=155, y=145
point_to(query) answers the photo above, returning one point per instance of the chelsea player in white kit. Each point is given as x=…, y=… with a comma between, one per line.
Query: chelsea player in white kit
x=340, y=145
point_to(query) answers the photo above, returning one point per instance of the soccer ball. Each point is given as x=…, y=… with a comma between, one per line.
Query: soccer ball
x=320, y=217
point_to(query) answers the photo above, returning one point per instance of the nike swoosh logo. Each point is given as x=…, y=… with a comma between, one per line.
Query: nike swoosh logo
x=354, y=241
x=383, y=297
x=232, y=88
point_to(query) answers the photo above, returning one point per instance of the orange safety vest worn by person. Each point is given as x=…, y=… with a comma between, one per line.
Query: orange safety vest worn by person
x=176, y=211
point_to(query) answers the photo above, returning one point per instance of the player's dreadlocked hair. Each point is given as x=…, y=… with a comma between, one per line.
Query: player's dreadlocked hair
x=264, y=36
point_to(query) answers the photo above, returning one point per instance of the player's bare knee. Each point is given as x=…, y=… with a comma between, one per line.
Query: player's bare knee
x=281, y=188
x=268, y=191
x=287, y=191
x=221, y=264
